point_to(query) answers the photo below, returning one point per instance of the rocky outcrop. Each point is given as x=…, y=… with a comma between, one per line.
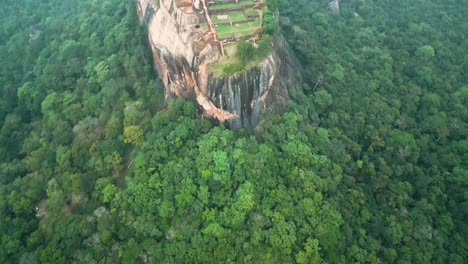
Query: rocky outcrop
x=182, y=51
x=334, y=6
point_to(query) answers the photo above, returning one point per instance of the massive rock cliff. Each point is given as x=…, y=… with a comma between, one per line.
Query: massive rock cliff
x=182, y=51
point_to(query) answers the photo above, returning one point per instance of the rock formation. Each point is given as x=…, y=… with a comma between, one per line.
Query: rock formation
x=183, y=49
x=334, y=6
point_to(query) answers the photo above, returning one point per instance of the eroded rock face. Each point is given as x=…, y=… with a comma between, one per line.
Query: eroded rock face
x=182, y=51
x=334, y=6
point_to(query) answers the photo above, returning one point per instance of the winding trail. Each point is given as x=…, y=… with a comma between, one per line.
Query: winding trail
x=209, y=21
x=211, y=25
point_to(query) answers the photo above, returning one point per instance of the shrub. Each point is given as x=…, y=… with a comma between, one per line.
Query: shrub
x=233, y=68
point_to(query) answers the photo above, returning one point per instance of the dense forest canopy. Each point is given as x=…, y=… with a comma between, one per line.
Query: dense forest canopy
x=368, y=165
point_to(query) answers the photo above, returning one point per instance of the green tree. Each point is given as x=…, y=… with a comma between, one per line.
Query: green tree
x=425, y=52
x=133, y=135
x=245, y=51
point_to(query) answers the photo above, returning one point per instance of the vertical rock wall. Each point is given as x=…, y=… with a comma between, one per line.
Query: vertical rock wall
x=238, y=99
x=334, y=6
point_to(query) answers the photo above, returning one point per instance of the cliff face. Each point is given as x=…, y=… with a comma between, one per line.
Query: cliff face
x=182, y=51
x=334, y=6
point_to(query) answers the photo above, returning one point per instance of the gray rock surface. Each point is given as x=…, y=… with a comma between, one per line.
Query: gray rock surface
x=334, y=6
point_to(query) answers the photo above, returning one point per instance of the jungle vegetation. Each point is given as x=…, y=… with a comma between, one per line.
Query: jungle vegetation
x=368, y=165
